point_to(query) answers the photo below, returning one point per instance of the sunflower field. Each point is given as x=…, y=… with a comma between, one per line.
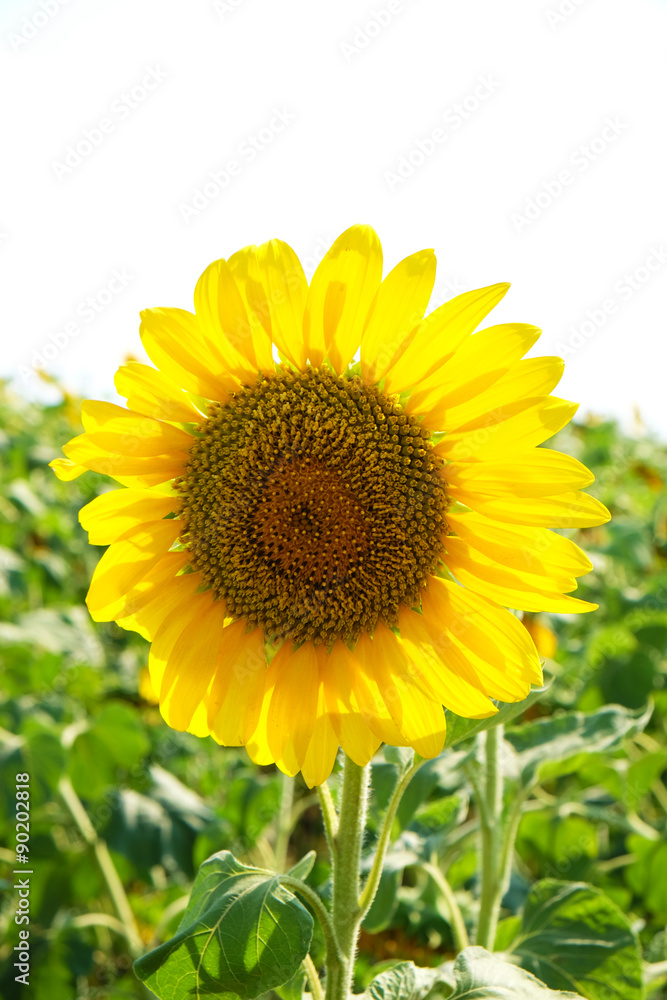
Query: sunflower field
x=138, y=861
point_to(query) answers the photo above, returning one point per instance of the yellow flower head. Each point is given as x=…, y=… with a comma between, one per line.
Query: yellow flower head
x=322, y=551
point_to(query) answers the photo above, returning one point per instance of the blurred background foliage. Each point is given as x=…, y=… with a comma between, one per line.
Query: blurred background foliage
x=113, y=789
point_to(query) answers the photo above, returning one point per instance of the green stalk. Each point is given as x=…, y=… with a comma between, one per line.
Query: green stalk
x=456, y=920
x=284, y=829
x=373, y=880
x=491, y=816
x=346, y=912
x=329, y=818
x=509, y=840
x=316, y=990
x=105, y=862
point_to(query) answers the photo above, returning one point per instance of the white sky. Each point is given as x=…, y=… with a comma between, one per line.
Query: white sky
x=337, y=92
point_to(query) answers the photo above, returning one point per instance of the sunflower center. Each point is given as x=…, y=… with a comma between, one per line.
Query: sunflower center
x=313, y=506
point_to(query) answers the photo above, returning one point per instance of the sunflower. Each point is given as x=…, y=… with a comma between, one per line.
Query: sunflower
x=329, y=502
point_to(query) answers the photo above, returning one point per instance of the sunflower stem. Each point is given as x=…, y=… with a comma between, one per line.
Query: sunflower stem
x=347, y=915
x=509, y=840
x=284, y=829
x=373, y=880
x=316, y=990
x=329, y=819
x=456, y=921
x=491, y=816
x=106, y=865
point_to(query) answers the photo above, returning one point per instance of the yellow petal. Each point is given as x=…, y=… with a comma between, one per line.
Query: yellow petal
x=257, y=746
x=419, y=718
x=460, y=553
x=545, y=640
x=110, y=515
x=514, y=590
x=515, y=427
x=246, y=271
x=157, y=595
x=286, y=292
x=125, y=563
x=529, y=378
x=537, y=473
x=481, y=626
x=184, y=606
x=66, y=469
x=453, y=684
x=503, y=678
x=478, y=364
x=294, y=678
x=352, y=732
x=185, y=615
x=567, y=510
x=198, y=725
x=174, y=342
x=440, y=334
x=323, y=747
x=140, y=435
x=149, y=391
x=146, y=689
x=191, y=665
x=529, y=549
x=397, y=308
x=238, y=686
x=340, y=295
x=353, y=673
x=150, y=470
x=122, y=443
x=223, y=320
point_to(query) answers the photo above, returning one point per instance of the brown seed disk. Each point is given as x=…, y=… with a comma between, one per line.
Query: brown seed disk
x=313, y=505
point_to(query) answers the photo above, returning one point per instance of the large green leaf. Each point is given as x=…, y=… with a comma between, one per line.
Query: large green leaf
x=557, y=745
x=647, y=875
x=242, y=934
x=459, y=728
x=572, y=936
x=478, y=975
x=38, y=753
x=404, y=981
x=65, y=631
x=475, y=975
x=114, y=740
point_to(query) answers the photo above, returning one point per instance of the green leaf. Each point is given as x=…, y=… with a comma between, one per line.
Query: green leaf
x=402, y=757
x=647, y=875
x=462, y=729
x=404, y=982
x=142, y=831
x=479, y=974
x=572, y=936
x=37, y=753
x=293, y=989
x=629, y=680
x=66, y=632
x=114, y=740
x=304, y=867
x=506, y=932
x=179, y=801
x=558, y=745
x=475, y=975
x=243, y=933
